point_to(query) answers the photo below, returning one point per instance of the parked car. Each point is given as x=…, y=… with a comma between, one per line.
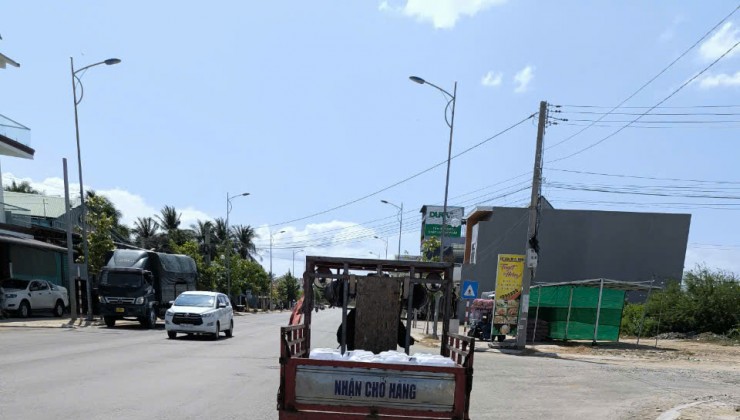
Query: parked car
x=198, y=312
x=25, y=296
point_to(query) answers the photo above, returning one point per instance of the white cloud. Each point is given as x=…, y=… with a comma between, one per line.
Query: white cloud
x=720, y=80
x=335, y=238
x=523, y=78
x=131, y=205
x=721, y=41
x=492, y=79
x=714, y=257
x=443, y=14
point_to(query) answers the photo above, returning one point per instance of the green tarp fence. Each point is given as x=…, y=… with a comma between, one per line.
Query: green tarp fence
x=553, y=308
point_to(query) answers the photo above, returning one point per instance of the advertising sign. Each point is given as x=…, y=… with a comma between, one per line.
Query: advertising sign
x=401, y=389
x=433, y=221
x=509, y=275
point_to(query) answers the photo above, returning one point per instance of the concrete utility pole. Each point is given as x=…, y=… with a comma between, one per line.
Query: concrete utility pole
x=70, y=257
x=521, y=330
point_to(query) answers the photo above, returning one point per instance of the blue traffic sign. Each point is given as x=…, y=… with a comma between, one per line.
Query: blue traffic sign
x=469, y=289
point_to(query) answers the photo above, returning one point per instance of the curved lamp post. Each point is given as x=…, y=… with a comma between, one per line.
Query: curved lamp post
x=400, y=225
x=228, y=240
x=76, y=81
x=386, y=244
x=451, y=124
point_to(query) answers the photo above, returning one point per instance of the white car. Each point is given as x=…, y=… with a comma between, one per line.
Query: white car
x=200, y=313
x=25, y=296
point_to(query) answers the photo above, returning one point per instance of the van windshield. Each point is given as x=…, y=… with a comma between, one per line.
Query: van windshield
x=121, y=279
x=203, y=301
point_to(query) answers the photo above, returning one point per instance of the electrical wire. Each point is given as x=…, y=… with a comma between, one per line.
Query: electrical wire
x=652, y=79
x=416, y=175
x=656, y=105
x=643, y=177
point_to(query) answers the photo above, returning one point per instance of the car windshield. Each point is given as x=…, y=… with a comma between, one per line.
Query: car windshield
x=203, y=301
x=121, y=279
x=15, y=284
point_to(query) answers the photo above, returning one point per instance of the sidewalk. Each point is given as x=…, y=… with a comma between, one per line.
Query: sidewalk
x=47, y=322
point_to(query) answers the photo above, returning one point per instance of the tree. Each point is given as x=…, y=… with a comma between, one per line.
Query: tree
x=22, y=187
x=145, y=230
x=244, y=237
x=203, y=235
x=169, y=221
x=219, y=228
x=100, y=241
x=430, y=249
x=102, y=205
x=288, y=288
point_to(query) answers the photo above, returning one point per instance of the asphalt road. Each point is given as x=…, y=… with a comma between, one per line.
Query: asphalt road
x=127, y=372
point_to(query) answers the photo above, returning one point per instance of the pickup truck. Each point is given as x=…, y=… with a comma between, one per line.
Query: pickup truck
x=25, y=296
x=380, y=293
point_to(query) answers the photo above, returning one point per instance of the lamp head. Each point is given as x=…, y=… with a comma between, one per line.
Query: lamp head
x=112, y=61
x=417, y=79
x=384, y=201
x=244, y=194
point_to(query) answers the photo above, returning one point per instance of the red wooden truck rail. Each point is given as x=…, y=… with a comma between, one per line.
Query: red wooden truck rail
x=313, y=389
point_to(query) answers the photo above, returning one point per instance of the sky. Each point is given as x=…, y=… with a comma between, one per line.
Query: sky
x=307, y=106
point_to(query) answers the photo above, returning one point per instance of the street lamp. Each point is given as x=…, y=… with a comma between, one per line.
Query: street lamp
x=451, y=124
x=295, y=251
x=76, y=81
x=400, y=225
x=228, y=240
x=386, y=245
x=271, y=236
x=377, y=255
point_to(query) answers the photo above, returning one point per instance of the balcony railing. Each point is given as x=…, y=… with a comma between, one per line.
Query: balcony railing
x=15, y=131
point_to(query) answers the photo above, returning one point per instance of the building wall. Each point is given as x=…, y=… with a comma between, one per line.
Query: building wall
x=584, y=244
x=31, y=263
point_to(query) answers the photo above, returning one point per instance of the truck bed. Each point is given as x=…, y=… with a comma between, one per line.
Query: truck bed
x=338, y=389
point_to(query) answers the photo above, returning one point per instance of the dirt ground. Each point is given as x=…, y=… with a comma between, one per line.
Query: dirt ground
x=693, y=357
x=704, y=360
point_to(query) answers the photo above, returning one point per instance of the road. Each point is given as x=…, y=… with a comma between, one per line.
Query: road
x=127, y=372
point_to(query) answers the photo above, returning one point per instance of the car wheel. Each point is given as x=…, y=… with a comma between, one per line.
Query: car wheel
x=59, y=309
x=230, y=331
x=218, y=331
x=24, y=311
x=151, y=319
x=171, y=334
x=110, y=322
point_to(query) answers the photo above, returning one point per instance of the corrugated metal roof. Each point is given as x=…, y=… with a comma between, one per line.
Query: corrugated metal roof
x=37, y=205
x=33, y=243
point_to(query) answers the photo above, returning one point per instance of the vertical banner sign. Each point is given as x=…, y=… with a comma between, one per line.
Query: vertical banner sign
x=509, y=275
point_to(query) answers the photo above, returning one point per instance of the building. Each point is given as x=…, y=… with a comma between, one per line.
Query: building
x=578, y=244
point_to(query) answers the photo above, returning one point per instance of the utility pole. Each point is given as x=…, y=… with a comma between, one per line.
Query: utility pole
x=70, y=257
x=530, y=260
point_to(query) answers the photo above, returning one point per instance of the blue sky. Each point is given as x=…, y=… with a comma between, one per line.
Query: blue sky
x=307, y=105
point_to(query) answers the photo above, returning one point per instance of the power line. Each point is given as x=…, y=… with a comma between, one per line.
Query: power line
x=645, y=107
x=675, y=114
x=643, y=177
x=652, y=79
x=659, y=103
x=405, y=179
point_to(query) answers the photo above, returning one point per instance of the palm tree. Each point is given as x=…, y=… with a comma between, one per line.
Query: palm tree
x=145, y=229
x=203, y=234
x=245, y=236
x=169, y=219
x=22, y=187
x=219, y=229
x=98, y=205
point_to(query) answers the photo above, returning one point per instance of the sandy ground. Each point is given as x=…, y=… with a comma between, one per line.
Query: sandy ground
x=706, y=371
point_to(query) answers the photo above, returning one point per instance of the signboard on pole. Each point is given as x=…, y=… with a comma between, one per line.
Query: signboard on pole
x=469, y=289
x=433, y=221
x=509, y=275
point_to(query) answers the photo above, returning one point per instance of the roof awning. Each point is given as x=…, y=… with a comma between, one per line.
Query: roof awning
x=607, y=283
x=31, y=243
